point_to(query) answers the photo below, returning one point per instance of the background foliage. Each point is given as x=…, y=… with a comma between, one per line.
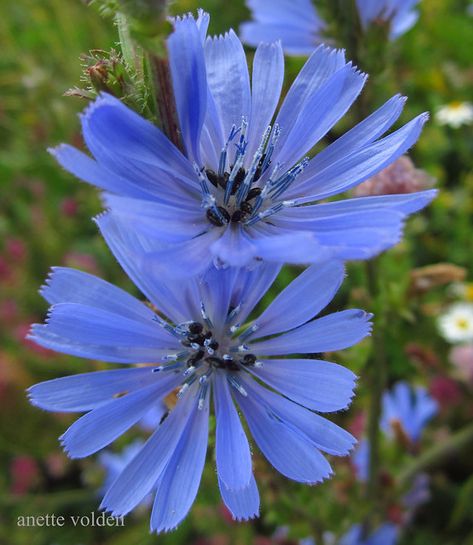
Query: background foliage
x=45, y=221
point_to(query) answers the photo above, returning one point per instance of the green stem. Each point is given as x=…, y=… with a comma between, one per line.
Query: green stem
x=377, y=382
x=438, y=454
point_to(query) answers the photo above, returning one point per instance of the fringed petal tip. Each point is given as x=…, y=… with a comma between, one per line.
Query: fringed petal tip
x=244, y=518
x=103, y=99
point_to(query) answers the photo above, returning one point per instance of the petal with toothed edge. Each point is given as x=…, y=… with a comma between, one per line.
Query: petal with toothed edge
x=325, y=435
x=86, y=169
x=141, y=475
x=332, y=332
x=302, y=299
x=286, y=447
x=65, y=285
x=318, y=385
x=232, y=449
x=94, y=333
x=118, y=137
x=320, y=66
x=89, y=390
x=267, y=80
x=320, y=112
x=350, y=170
x=243, y=504
x=101, y=426
x=178, y=484
x=228, y=79
x=362, y=134
x=187, y=64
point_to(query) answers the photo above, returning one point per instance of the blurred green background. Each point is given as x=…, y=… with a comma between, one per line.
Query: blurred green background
x=46, y=220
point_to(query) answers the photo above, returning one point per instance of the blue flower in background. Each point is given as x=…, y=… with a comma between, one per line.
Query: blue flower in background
x=295, y=22
x=401, y=15
x=197, y=340
x=244, y=190
x=386, y=534
x=360, y=460
x=408, y=408
x=115, y=462
x=300, y=28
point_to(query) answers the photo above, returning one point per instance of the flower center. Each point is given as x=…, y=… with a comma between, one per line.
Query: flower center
x=205, y=350
x=246, y=195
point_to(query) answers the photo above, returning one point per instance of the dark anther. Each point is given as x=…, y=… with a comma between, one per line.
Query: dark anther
x=213, y=345
x=208, y=335
x=217, y=362
x=195, y=358
x=246, y=207
x=186, y=342
x=223, y=180
x=237, y=216
x=240, y=176
x=195, y=327
x=212, y=177
x=253, y=193
x=196, y=338
x=248, y=359
x=215, y=219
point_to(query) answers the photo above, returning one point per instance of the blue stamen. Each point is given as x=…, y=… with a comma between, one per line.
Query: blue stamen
x=237, y=385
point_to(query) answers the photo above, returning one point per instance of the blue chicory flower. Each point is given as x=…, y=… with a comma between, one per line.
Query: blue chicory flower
x=401, y=15
x=295, y=22
x=197, y=338
x=244, y=191
x=360, y=460
x=386, y=534
x=300, y=28
x=409, y=408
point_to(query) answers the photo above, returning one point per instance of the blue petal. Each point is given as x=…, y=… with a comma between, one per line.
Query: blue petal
x=319, y=68
x=303, y=299
x=319, y=385
x=121, y=139
x=168, y=223
x=88, y=390
x=287, y=448
x=103, y=425
x=333, y=332
x=234, y=247
x=231, y=445
x=243, y=504
x=178, y=485
x=365, y=132
x=319, y=112
x=228, y=79
x=351, y=170
x=279, y=246
x=296, y=24
x=141, y=474
x=172, y=297
x=267, y=80
x=65, y=285
x=325, y=435
x=88, y=170
x=296, y=41
x=187, y=64
x=91, y=332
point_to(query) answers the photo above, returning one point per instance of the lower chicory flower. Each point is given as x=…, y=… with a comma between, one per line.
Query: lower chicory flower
x=199, y=341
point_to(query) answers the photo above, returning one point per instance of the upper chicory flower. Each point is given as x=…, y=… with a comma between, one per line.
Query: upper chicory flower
x=299, y=26
x=196, y=339
x=407, y=411
x=244, y=189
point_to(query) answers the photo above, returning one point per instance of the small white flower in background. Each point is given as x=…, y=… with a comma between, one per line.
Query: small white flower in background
x=455, y=114
x=456, y=325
